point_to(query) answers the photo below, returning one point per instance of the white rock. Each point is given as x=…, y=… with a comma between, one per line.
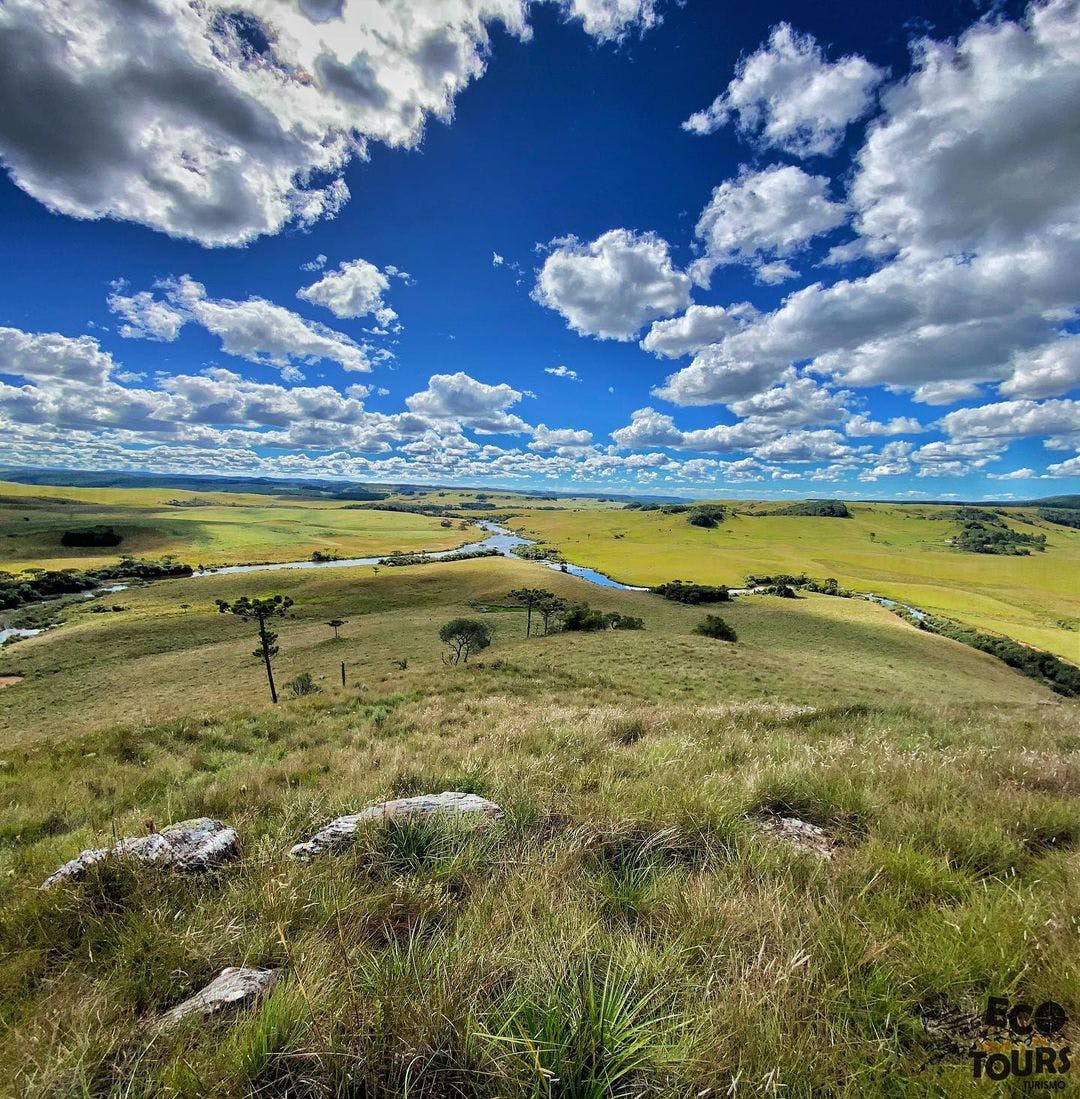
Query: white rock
x=341, y=832
x=233, y=987
x=800, y=834
x=189, y=846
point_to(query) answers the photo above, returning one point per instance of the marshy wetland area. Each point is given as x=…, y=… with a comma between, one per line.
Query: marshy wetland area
x=793, y=853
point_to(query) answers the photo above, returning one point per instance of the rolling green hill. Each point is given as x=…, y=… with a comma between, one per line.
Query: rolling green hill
x=628, y=922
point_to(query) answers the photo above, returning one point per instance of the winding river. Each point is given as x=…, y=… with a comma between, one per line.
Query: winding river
x=499, y=538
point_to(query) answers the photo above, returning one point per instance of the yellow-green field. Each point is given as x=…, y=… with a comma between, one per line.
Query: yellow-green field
x=228, y=528
x=899, y=551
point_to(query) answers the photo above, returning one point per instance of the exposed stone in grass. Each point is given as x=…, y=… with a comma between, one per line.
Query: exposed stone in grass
x=235, y=986
x=340, y=833
x=800, y=834
x=190, y=846
x=951, y=1029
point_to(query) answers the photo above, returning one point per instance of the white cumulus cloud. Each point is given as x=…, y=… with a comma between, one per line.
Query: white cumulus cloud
x=220, y=123
x=761, y=217
x=354, y=289
x=789, y=96
x=613, y=286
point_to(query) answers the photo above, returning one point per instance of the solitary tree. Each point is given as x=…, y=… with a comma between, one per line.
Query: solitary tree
x=463, y=637
x=335, y=624
x=261, y=609
x=530, y=597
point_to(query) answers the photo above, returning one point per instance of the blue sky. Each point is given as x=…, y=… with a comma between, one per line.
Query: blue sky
x=633, y=245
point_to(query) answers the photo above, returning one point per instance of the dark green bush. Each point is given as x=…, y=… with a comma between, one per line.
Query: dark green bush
x=682, y=591
x=94, y=537
x=827, y=509
x=712, y=625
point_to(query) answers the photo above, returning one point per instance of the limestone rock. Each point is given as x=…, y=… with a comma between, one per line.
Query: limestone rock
x=236, y=986
x=800, y=834
x=341, y=832
x=190, y=846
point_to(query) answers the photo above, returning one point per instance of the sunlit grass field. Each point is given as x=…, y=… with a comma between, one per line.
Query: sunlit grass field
x=229, y=528
x=898, y=551
x=625, y=929
x=169, y=648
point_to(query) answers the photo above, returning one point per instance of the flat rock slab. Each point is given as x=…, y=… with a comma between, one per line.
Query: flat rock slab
x=190, y=846
x=235, y=986
x=342, y=832
x=800, y=834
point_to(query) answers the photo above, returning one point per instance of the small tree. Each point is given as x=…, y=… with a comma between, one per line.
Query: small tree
x=549, y=610
x=335, y=624
x=529, y=597
x=261, y=609
x=302, y=685
x=463, y=637
x=712, y=625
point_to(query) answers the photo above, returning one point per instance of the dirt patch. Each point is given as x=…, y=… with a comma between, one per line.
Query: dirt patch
x=800, y=834
x=9, y=680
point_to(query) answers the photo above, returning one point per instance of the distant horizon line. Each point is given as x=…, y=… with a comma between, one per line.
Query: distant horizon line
x=11, y=473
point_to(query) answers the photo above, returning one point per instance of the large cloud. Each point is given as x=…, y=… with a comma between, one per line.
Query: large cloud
x=698, y=327
x=1048, y=371
x=461, y=399
x=764, y=215
x=787, y=95
x=253, y=329
x=964, y=195
x=979, y=147
x=221, y=123
x=43, y=355
x=354, y=289
x=613, y=286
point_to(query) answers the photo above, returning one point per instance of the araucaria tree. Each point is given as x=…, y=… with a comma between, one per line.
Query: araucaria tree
x=530, y=597
x=261, y=609
x=463, y=637
x=549, y=610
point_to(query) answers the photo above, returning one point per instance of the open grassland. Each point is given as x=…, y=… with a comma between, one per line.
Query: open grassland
x=219, y=528
x=625, y=929
x=899, y=551
x=169, y=648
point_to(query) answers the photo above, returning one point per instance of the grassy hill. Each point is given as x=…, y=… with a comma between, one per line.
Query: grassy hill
x=170, y=638
x=626, y=927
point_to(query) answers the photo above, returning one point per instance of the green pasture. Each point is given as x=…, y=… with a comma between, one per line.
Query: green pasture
x=224, y=528
x=900, y=551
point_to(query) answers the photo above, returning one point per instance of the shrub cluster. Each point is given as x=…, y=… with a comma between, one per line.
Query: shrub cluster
x=1057, y=674
x=707, y=515
x=93, y=537
x=827, y=509
x=1063, y=517
x=580, y=617
x=51, y=584
x=771, y=585
x=712, y=625
x=402, y=559
x=983, y=531
x=683, y=591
